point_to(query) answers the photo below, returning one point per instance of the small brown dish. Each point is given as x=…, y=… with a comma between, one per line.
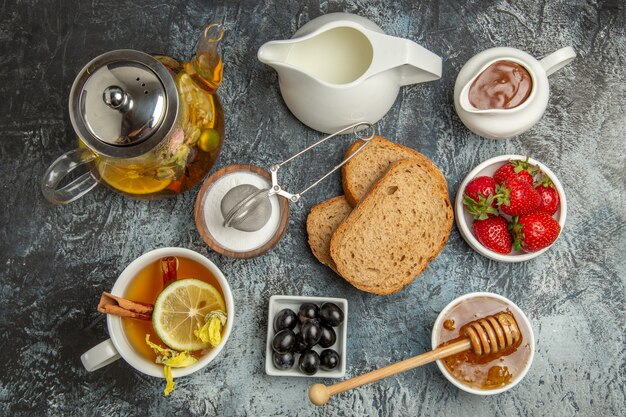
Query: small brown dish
x=228, y=241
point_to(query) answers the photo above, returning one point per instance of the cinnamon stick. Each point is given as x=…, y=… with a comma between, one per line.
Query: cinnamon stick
x=168, y=268
x=118, y=306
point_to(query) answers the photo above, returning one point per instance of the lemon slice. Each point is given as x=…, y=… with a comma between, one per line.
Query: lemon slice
x=131, y=181
x=181, y=308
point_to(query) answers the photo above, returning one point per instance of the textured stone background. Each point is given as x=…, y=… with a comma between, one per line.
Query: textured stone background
x=55, y=261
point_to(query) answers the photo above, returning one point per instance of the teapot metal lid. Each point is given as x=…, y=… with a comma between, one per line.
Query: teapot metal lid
x=123, y=103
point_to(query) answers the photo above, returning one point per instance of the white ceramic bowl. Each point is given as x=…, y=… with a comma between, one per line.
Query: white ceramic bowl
x=464, y=220
x=279, y=302
x=523, y=324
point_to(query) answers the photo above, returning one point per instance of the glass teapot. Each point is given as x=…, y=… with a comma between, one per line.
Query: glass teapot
x=148, y=126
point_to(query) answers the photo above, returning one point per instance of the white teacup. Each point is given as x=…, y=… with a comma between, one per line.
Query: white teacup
x=118, y=346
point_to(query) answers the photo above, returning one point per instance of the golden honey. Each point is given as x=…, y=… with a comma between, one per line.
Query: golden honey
x=488, y=371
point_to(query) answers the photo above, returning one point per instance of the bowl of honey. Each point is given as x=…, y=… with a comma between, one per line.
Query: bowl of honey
x=488, y=374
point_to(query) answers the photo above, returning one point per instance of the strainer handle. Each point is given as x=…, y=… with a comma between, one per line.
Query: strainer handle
x=277, y=188
x=62, y=167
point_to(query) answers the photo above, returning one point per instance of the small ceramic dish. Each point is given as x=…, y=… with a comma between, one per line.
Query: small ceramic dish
x=528, y=339
x=279, y=302
x=506, y=123
x=464, y=220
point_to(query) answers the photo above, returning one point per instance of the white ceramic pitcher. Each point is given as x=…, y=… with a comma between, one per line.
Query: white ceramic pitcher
x=340, y=68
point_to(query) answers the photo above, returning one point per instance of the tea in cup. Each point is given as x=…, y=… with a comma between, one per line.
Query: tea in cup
x=502, y=92
x=143, y=282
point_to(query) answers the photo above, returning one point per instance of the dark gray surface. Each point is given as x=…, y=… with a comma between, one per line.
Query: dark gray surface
x=57, y=260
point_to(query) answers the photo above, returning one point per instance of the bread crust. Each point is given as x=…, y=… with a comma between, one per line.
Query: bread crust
x=354, y=188
x=319, y=228
x=355, y=272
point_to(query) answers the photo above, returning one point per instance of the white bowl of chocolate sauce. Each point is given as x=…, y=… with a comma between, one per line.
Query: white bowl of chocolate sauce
x=488, y=374
x=502, y=92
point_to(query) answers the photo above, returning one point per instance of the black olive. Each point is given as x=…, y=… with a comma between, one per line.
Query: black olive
x=300, y=346
x=309, y=362
x=285, y=319
x=331, y=314
x=283, y=341
x=283, y=360
x=311, y=332
x=307, y=312
x=329, y=337
x=329, y=359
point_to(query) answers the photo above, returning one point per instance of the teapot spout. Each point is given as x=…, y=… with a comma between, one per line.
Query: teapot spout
x=412, y=62
x=207, y=63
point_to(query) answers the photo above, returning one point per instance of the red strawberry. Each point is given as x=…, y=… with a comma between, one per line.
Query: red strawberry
x=516, y=197
x=493, y=233
x=481, y=187
x=534, y=231
x=519, y=170
x=549, y=196
x=479, y=197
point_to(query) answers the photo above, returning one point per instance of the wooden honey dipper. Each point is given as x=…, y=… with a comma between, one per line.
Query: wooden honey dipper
x=491, y=334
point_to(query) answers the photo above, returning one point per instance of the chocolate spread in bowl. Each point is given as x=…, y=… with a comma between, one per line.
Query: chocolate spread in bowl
x=502, y=85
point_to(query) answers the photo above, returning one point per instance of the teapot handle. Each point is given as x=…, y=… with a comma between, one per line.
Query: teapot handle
x=59, y=169
x=557, y=60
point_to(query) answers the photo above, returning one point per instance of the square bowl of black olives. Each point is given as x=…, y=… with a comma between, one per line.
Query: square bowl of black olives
x=306, y=336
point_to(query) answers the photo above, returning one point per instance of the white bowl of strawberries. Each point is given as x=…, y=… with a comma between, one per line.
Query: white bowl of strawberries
x=510, y=208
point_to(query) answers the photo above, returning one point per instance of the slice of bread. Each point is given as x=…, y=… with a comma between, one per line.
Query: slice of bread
x=396, y=230
x=321, y=222
x=361, y=172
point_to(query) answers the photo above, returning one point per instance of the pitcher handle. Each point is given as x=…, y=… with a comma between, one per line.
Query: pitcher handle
x=557, y=60
x=59, y=169
x=101, y=355
x=422, y=65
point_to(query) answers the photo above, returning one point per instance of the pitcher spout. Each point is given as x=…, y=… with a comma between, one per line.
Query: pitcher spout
x=274, y=53
x=283, y=57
